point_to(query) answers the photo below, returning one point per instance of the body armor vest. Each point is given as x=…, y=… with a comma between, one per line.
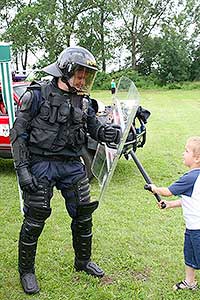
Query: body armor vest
x=59, y=127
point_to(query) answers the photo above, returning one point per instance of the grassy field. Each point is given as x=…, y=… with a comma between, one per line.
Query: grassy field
x=138, y=245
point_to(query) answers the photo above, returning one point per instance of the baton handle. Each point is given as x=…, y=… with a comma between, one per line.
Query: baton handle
x=146, y=177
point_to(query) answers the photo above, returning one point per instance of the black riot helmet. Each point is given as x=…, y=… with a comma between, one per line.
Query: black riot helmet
x=77, y=68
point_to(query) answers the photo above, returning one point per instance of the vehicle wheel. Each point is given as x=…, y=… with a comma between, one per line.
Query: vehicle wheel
x=88, y=156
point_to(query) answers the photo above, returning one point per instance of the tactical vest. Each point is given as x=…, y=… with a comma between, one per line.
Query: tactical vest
x=60, y=126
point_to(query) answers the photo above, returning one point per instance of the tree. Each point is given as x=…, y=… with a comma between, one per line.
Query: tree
x=193, y=17
x=173, y=62
x=195, y=66
x=95, y=31
x=105, y=28
x=7, y=9
x=178, y=53
x=140, y=19
x=148, y=58
x=21, y=32
x=44, y=25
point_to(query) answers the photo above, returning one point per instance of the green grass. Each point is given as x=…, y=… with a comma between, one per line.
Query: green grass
x=139, y=246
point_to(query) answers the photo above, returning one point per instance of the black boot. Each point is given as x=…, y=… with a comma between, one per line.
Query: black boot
x=89, y=267
x=28, y=280
x=29, y=283
x=27, y=251
x=82, y=241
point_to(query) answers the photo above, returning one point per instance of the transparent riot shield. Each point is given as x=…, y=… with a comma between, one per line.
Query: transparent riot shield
x=122, y=113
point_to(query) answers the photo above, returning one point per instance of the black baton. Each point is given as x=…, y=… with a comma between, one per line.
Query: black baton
x=145, y=176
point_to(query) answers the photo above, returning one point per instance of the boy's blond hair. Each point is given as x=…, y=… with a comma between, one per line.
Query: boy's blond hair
x=194, y=141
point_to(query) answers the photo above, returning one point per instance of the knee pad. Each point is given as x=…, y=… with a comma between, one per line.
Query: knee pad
x=85, y=210
x=37, y=205
x=36, y=213
x=79, y=191
x=83, y=219
x=31, y=230
x=40, y=198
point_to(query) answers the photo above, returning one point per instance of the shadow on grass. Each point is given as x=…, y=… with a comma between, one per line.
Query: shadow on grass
x=6, y=166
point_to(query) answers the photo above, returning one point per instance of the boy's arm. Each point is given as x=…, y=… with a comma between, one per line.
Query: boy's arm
x=163, y=191
x=172, y=204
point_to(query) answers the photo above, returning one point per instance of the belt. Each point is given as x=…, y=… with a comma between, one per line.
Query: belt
x=36, y=157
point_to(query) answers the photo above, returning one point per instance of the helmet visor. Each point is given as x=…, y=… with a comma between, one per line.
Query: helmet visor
x=83, y=79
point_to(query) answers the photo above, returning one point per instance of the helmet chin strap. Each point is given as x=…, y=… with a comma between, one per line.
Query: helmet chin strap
x=70, y=88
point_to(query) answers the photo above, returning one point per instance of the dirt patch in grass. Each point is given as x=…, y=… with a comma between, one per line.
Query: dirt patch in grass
x=143, y=276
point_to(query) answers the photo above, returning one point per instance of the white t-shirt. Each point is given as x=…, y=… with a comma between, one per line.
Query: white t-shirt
x=188, y=187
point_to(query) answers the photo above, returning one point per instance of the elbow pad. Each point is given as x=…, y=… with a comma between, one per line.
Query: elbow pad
x=18, y=137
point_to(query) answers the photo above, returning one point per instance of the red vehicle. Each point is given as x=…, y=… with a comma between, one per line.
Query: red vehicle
x=18, y=89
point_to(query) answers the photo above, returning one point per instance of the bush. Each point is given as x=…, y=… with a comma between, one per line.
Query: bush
x=103, y=80
x=173, y=86
x=152, y=81
x=194, y=85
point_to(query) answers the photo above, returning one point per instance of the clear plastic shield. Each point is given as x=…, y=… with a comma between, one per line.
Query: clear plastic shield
x=122, y=113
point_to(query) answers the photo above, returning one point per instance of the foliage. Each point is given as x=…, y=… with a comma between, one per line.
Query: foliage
x=102, y=81
x=95, y=32
x=138, y=245
x=151, y=81
x=24, y=22
x=195, y=66
x=150, y=51
x=140, y=18
x=45, y=25
x=173, y=64
x=153, y=37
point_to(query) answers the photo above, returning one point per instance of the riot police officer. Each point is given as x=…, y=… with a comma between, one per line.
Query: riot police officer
x=47, y=139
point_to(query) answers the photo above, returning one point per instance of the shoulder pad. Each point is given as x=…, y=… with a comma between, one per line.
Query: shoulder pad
x=26, y=100
x=42, y=86
x=35, y=85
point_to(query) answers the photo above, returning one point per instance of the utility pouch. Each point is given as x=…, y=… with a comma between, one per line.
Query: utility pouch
x=77, y=115
x=63, y=113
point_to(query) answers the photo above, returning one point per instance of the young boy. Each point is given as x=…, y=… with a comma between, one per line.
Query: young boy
x=188, y=187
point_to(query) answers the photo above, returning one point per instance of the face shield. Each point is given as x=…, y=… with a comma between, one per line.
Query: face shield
x=83, y=79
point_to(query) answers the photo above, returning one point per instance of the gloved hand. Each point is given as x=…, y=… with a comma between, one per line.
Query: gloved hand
x=110, y=133
x=27, y=181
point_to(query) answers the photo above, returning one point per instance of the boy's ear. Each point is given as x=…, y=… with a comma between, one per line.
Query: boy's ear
x=197, y=159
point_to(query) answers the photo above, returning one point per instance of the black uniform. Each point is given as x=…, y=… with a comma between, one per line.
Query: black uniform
x=47, y=139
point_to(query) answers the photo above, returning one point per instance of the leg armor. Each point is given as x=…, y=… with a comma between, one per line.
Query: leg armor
x=37, y=210
x=80, y=209
x=82, y=231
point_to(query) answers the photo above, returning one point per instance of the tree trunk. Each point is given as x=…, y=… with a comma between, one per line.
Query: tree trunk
x=102, y=42
x=133, y=52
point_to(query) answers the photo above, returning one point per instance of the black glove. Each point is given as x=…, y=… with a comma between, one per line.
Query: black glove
x=110, y=134
x=27, y=181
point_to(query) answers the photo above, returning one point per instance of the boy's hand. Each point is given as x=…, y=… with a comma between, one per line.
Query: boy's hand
x=163, y=202
x=153, y=188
